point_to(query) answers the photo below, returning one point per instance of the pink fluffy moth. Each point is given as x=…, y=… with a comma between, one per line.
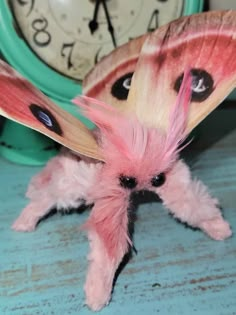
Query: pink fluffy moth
x=144, y=99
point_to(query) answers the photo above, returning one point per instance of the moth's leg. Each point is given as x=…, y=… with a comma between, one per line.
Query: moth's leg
x=62, y=184
x=42, y=195
x=107, y=232
x=37, y=209
x=189, y=201
x=31, y=214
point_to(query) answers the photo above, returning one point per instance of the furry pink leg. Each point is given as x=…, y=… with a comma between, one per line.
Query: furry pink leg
x=108, y=242
x=189, y=201
x=30, y=216
x=63, y=183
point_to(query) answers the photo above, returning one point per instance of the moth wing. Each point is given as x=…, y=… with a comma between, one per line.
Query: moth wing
x=22, y=102
x=205, y=43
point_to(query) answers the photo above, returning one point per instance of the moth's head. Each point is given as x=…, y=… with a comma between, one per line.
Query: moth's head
x=136, y=156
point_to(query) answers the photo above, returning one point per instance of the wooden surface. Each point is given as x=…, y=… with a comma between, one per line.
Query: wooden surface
x=176, y=271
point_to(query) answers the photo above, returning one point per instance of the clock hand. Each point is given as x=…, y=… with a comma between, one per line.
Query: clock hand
x=93, y=24
x=110, y=26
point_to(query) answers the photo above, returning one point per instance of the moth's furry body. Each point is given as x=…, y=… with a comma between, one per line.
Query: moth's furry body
x=70, y=180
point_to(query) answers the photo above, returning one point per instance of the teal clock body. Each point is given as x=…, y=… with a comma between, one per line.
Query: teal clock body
x=52, y=44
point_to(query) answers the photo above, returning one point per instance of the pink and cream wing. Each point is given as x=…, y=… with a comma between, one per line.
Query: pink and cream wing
x=23, y=103
x=205, y=43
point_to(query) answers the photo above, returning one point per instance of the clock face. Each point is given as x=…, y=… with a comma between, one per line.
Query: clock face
x=72, y=36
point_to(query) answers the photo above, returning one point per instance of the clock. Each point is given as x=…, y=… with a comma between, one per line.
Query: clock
x=55, y=43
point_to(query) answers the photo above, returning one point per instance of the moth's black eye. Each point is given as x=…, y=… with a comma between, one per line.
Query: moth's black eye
x=158, y=180
x=46, y=118
x=120, y=88
x=128, y=182
x=202, y=84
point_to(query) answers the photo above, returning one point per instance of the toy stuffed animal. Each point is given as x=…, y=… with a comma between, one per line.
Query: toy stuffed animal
x=182, y=72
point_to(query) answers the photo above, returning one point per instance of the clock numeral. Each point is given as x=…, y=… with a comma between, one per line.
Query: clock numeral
x=66, y=51
x=26, y=2
x=153, y=23
x=41, y=36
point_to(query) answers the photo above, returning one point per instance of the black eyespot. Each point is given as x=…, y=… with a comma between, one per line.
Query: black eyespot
x=128, y=182
x=158, y=180
x=202, y=84
x=120, y=88
x=46, y=118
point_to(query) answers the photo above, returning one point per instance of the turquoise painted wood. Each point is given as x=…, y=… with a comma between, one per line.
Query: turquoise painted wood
x=176, y=271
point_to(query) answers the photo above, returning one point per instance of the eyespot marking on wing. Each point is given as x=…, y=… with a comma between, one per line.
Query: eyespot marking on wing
x=202, y=85
x=120, y=89
x=46, y=118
